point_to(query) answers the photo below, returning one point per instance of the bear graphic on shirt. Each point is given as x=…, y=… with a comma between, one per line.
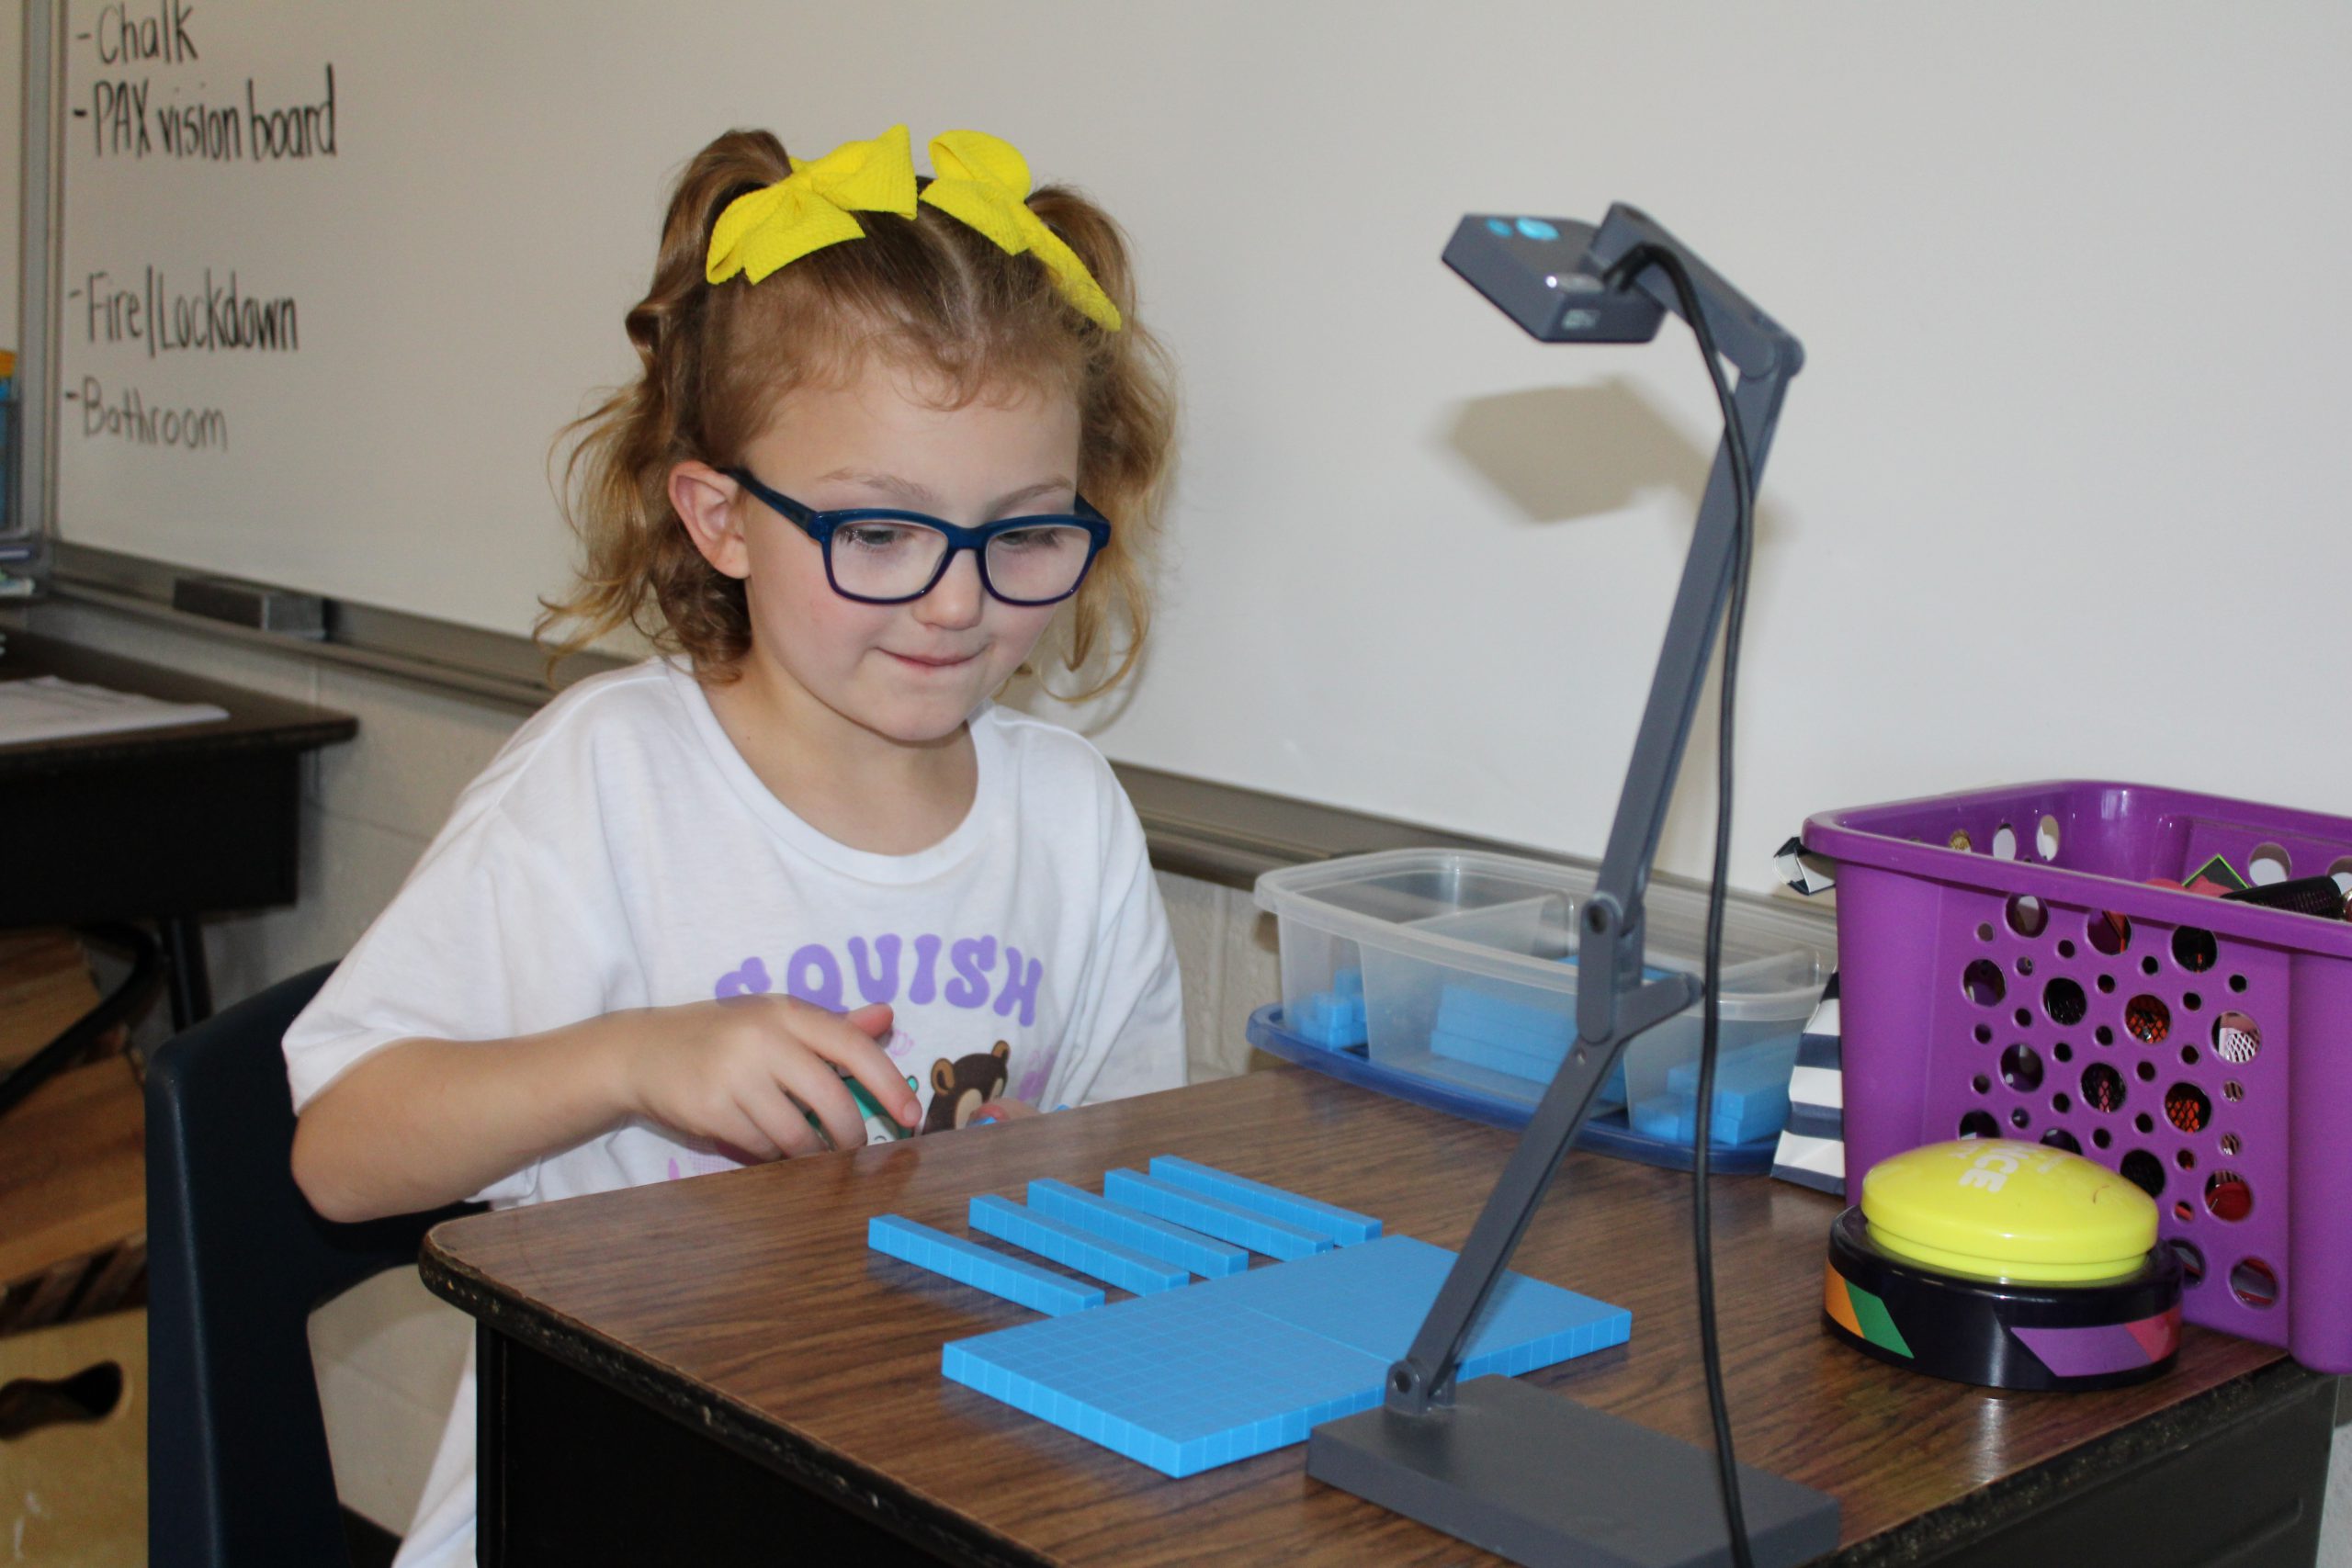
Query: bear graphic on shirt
x=958, y=1088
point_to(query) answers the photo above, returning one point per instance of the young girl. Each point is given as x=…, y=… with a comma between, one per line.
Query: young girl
x=888, y=432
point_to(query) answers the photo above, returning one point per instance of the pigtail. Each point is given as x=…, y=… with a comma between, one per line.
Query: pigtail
x=1127, y=416
x=640, y=568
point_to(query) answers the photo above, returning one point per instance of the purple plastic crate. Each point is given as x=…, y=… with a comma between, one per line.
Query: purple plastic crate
x=2202, y=1047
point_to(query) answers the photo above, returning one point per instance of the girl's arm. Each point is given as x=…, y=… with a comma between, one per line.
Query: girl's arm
x=424, y=1123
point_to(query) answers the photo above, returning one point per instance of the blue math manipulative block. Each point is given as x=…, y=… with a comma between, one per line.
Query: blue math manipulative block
x=1673, y=1118
x=968, y=1264
x=1067, y=1244
x=1751, y=1097
x=1496, y=1058
x=1343, y=1225
x=1243, y=1364
x=1198, y=1383
x=1183, y=1377
x=1335, y=1019
x=1249, y=1227
x=1761, y=1069
x=1204, y=1256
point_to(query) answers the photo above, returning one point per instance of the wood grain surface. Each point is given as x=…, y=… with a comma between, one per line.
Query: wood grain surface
x=73, y=1173
x=750, y=1300
x=72, y=1168
x=45, y=985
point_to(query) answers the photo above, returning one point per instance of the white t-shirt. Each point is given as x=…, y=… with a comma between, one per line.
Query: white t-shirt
x=620, y=853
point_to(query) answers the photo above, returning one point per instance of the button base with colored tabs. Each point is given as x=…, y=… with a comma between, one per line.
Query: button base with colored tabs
x=1995, y=1334
x=2006, y=1265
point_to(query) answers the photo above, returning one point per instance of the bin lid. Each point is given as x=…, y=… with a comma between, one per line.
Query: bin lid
x=2001, y=1209
x=1407, y=902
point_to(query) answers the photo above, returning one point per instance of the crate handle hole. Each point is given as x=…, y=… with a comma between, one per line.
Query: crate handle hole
x=2268, y=863
x=90, y=1395
x=2194, y=949
x=2147, y=1019
x=2102, y=1088
x=2237, y=1038
x=2227, y=1196
x=2255, y=1282
x=2045, y=837
x=2108, y=932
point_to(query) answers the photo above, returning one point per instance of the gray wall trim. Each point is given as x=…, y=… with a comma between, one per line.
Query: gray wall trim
x=442, y=656
x=1221, y=832
x=1215, y=832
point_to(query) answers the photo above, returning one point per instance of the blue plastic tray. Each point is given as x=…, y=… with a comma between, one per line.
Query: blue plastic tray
x=1608, y=1132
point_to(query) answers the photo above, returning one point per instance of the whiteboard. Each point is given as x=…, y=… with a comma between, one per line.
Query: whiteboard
x=2058, y=492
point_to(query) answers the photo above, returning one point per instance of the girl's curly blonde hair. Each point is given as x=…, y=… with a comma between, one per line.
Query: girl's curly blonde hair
x=927, y=293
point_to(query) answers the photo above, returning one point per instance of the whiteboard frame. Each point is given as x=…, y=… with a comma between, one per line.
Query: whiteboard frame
x=41, y=236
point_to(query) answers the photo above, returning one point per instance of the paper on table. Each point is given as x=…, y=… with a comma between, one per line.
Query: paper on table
x=42, y=707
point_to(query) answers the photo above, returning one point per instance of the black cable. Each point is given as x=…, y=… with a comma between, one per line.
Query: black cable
x=1701, y=1218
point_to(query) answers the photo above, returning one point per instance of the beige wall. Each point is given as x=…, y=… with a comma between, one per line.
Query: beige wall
x=388, y=1353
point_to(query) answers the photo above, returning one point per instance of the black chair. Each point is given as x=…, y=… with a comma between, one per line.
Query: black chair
x=237, y=1467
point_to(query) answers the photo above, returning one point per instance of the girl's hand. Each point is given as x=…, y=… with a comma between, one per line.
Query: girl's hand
x=1002, y=1111
x=742, y=1071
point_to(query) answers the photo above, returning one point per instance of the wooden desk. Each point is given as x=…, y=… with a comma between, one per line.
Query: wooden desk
x=155, y=824
x=798, y=1373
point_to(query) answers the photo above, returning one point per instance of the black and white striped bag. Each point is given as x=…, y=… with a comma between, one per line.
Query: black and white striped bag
x=1813, y=1146
x=1812, y=1152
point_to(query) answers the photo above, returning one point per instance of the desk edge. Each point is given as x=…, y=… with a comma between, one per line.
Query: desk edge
x=2010, y=1500
x=2013, y=1499
x=826, y=1472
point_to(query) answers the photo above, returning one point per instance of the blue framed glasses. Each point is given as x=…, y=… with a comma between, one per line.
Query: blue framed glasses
x=880, y=555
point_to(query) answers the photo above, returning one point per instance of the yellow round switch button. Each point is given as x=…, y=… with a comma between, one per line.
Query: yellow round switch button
x=1997, y=1209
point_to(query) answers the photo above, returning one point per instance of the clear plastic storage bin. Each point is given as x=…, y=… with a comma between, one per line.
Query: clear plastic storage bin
x=1459, y=967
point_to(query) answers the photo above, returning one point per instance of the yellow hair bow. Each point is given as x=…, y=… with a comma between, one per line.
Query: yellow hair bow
x=810, y=208
x=983, y=181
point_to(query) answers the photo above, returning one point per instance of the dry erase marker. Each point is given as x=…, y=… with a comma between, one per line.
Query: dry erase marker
x=879, y=1128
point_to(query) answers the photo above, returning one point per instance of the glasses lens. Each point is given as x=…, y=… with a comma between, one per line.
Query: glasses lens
x=886, y=560
x=1037, y=563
